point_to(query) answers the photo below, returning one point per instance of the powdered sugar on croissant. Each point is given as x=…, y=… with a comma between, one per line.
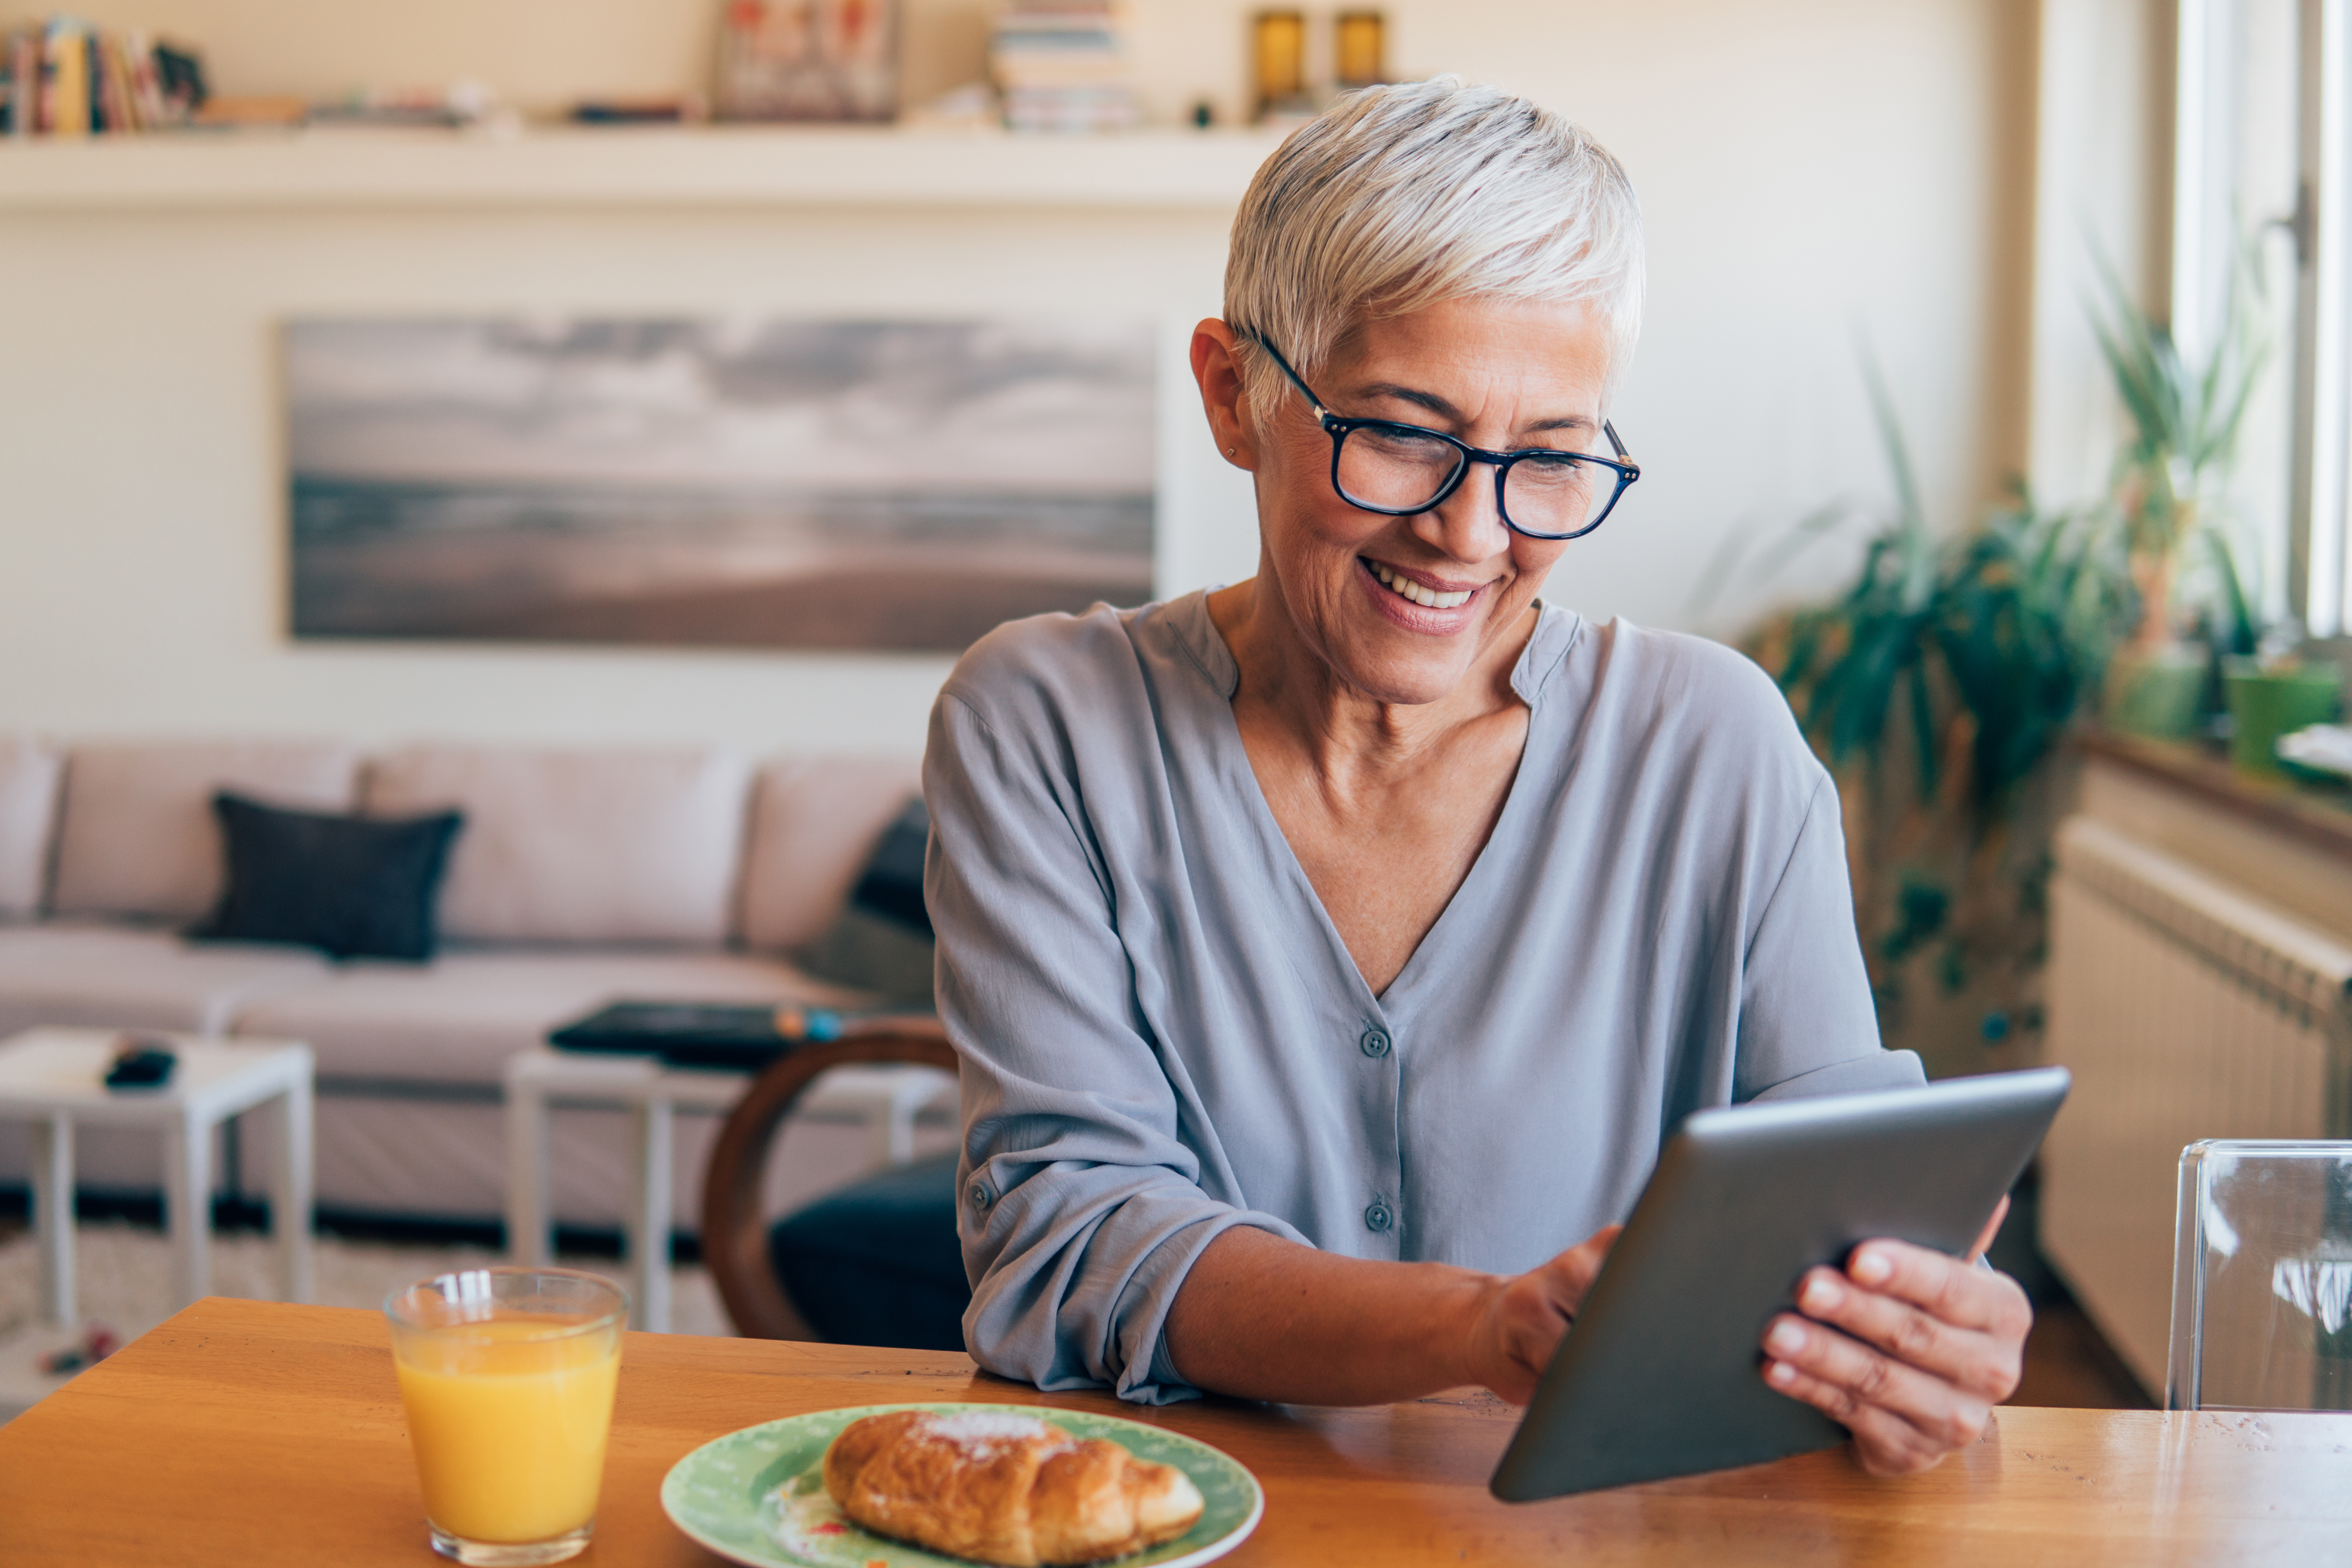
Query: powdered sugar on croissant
x=1007, y=1489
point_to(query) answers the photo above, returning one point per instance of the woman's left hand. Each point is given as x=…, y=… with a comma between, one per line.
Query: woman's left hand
x=1908, y=1348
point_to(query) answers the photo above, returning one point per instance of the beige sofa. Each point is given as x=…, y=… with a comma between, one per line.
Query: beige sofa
x=580, y=876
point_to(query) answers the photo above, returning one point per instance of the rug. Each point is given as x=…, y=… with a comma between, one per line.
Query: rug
x=124, y=1276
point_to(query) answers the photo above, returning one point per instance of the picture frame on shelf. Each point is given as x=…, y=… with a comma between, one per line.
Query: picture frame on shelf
x=808, y=61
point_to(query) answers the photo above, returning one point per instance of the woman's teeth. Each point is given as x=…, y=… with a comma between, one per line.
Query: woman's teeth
x=1407, y=588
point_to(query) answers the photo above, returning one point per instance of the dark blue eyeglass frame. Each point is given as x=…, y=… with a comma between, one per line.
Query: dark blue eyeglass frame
x=1339, y=428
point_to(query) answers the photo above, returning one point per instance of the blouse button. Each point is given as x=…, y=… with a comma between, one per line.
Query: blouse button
x=1378, y=1217
x=980, y=1194
x=1376, y=1044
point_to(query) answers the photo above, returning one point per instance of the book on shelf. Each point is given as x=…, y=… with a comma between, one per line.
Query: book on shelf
x=1062, y=65
x=63, y=79
x=24, y=82
x=66, y=80
x=453, y=106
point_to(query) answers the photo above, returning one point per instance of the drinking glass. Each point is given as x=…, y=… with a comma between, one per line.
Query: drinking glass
x=506, y=1375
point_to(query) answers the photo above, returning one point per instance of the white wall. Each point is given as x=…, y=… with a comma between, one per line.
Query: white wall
x=1813, y=173
x=141, y=565
x=2103, y=130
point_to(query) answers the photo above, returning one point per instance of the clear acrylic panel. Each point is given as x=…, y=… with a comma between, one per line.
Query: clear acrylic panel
x=2262, y=1289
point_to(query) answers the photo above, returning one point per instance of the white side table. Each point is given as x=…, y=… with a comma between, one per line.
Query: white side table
x=54, y=1078
x=887, y=1098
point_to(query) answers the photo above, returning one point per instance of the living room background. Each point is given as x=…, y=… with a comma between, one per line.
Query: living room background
x=1815, y=176
x=1837, y=193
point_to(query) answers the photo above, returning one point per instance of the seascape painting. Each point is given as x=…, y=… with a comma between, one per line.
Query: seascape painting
x=790, y=484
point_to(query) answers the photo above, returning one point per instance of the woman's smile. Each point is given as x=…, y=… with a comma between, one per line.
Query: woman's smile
x=1418, y=600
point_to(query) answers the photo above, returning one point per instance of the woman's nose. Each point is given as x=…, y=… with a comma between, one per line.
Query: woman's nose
x=1466, y=525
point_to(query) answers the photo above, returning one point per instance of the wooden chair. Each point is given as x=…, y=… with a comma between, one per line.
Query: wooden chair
x=734, y=1228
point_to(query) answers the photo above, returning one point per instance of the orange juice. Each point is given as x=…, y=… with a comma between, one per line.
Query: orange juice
x=509, y=1418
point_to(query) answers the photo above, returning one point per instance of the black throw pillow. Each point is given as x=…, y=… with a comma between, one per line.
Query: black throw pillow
x=352, y=887
x=878, y=1262
x=882, y=941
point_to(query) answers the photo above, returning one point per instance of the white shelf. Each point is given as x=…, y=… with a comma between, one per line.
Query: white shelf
x=666, y=166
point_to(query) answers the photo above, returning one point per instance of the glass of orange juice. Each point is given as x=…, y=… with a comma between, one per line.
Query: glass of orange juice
x=506, y=1375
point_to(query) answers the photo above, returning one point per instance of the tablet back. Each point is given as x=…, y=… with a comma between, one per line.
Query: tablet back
x=1662, y=1374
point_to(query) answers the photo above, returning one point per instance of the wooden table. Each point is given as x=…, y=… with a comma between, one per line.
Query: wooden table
x=253, y=1434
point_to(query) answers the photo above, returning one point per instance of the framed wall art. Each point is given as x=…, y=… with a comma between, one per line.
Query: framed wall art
x=779, y=483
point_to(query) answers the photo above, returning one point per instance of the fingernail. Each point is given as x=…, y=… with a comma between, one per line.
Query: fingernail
x=1871, y=1268
x=1820, y=1296
x=1786, y=1339
x=1781, y=1373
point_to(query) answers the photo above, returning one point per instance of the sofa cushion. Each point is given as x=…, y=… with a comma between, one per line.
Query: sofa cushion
x=115, y=977
x=456, y=1021
x=28, y=815
x=814, y=824
x=563, y=847
x=882, y=939
x=137, y=836
x=878, y=1262
x=351, y=887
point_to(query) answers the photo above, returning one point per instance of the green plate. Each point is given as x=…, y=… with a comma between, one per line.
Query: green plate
x=758, y=1496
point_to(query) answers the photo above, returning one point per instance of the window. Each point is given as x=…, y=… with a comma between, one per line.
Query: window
x=2259, y=206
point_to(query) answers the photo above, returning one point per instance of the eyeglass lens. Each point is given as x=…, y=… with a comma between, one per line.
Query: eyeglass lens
x=1395, y=470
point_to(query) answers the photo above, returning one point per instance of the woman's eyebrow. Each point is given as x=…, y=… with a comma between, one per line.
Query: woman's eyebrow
x=1414, y=395
x=1444, y=410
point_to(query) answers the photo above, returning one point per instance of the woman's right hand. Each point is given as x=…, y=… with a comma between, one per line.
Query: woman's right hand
x=1524, y=1317
x=1263, y=1317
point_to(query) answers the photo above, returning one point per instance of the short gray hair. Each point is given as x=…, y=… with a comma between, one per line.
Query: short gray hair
x=1397, y=198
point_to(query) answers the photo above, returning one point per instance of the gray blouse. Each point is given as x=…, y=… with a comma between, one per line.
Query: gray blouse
x=1163, y=1034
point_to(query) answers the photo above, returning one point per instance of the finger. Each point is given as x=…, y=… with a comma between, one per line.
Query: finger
x=1883, y=1443
x=1982, y=1361
x=1600, y=1241
x=1945, y=1413
x=1528, y=1320
x=1534, y=1310
x=1940, y=1285
x=1515, y=1382
x=1991, y=1229
x=1580, y=1266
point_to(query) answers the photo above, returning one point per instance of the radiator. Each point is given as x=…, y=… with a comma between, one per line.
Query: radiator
x=2186, y=1009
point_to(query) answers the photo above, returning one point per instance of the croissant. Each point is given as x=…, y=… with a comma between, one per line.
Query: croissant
x=1004, y=1488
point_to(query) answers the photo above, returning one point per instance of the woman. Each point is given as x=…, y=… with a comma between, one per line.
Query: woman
x=1330, y=954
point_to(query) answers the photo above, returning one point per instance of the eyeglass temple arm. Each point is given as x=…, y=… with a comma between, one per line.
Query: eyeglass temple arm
x=1296, y=380
x=1607, y=428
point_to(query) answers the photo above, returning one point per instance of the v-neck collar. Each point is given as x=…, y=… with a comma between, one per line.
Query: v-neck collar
x=1556, y=633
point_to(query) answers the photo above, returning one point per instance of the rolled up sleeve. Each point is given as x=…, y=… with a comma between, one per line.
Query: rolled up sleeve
x=1080, y=1206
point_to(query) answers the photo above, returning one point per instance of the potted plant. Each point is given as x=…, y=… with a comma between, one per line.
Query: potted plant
x=2274, y=696
x=2166, y=493
x=1938, y=688
x=1940, y=684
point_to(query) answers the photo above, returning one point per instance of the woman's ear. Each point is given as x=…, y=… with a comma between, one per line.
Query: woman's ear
x=1224, y=396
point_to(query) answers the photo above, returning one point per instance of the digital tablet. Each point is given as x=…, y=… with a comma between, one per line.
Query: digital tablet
x=1662, y=1375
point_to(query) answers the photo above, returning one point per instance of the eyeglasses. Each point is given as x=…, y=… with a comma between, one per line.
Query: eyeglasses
x=1398, y=470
